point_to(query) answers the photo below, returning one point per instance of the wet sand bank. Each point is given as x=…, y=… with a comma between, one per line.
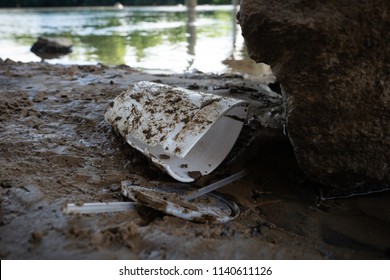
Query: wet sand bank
x=56, y=148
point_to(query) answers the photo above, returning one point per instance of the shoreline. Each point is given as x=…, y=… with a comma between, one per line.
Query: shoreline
x=57, y=149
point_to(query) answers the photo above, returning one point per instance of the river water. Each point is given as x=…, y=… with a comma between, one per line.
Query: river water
x=167, y=39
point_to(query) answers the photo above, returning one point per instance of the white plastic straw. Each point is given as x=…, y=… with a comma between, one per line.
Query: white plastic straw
x=99, y=207
x=214, y=186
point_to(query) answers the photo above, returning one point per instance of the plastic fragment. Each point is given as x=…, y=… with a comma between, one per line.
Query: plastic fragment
x=99, y=207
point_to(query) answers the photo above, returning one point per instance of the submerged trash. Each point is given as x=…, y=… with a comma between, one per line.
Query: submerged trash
x=185, y=133
x=183, y=201
x=176, y=199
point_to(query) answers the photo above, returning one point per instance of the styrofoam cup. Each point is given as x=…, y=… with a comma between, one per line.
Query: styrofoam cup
x=185, y=133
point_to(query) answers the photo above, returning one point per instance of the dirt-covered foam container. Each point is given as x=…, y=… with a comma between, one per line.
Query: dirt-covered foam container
x=185, y=133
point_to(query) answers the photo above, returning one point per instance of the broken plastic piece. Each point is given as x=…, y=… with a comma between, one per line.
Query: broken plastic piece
x=211, y=207
x=98, y=207
x=184, y=201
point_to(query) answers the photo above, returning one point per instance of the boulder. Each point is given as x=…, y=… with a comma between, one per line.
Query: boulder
x=51, y=47
x=332, y=59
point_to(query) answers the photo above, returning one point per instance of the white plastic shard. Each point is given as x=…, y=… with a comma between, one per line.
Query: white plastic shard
x=185, y=133
x=98, y=207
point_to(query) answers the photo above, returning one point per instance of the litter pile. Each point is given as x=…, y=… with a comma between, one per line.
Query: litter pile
x=182, y=132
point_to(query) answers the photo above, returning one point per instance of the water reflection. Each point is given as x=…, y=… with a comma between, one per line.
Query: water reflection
x=172, y=39
x=191, y=31
x=234, y=23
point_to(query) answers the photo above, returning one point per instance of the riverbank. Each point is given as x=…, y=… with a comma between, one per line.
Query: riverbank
x=56, y=148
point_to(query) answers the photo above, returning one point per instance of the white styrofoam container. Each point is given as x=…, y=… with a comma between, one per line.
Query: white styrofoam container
x=185, y=133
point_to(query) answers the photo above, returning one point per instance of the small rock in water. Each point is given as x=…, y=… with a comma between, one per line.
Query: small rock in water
x=47, y=48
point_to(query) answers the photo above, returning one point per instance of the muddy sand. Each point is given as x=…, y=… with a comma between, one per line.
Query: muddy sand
x=56, y=148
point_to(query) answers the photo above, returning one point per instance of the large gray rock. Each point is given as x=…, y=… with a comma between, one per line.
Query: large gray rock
x=333, y=61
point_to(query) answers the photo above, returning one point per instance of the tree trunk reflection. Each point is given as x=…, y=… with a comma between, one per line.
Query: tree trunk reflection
x=191, y=30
